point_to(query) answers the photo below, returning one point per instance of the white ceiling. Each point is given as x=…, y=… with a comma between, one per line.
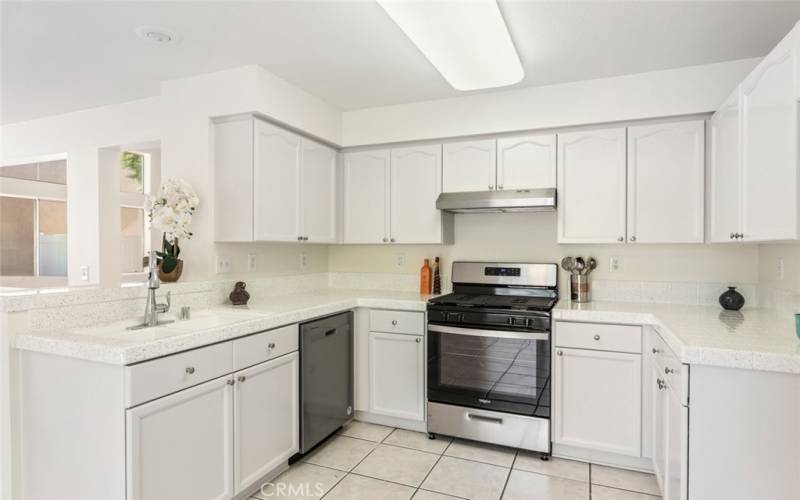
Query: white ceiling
x=57, y=57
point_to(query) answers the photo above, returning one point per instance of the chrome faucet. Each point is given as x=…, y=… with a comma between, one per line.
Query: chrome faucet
x=152, y=308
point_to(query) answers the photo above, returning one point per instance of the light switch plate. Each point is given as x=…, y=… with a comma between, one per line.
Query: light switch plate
x=614, y=264
x=84, y=273
x=251, y=262
x=223, y=264
x=303, y=259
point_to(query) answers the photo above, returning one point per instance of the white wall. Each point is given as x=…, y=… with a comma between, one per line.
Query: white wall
x=683, y=91
x=80, y=135
x=768, y=275
x=188, y=105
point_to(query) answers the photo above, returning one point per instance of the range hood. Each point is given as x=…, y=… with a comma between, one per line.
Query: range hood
x=522, y=200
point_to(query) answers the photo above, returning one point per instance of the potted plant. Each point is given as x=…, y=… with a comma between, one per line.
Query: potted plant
x=171, y=211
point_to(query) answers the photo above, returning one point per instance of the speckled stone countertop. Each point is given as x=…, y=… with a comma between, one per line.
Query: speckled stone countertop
x=114, y=343
x=753, y=339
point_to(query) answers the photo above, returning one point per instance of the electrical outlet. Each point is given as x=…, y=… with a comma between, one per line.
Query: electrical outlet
x=303, y=260
x=614, y=264
x=780, y=268
x=251, y=262
x=400, y=259
x=223, y=264
x=84, y=273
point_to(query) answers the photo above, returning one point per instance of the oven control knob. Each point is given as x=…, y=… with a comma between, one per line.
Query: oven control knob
x=510, y=321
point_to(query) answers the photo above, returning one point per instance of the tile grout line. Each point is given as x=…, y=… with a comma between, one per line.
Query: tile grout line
x=434, y=466
x=508, y=476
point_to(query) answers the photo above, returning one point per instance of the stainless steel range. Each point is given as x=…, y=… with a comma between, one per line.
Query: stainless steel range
x=489, y=354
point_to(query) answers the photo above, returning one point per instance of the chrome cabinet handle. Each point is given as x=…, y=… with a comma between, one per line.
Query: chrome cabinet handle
x=667, y=371
x=597, y=337
x=385, y=240
x=241, y=378
x=633, y=238
x=620, y=239
x=271, y=346
x=230, y=381
x=394, y=322
x=661, y=384
x=190, y=369
x=491, y=186
x=656, y=351
x=560, y=352
x=733, y=235
x=500, y=187
x=299, y=238
x=392, y=240
x=419, y=340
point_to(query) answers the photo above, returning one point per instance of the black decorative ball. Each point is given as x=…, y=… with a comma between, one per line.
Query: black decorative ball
x=731, y=300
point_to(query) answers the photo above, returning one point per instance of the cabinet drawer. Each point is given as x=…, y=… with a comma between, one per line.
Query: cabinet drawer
x=670, y=368
x=412, y=323
x=152, y=379
x=598, y=336
x=254, y=349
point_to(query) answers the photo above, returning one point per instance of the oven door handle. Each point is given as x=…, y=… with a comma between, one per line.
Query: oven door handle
x=474, y=332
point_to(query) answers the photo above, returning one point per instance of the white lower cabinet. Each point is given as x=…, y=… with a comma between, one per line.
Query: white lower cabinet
x=217, y=439
x=597, y=400
x=397, y=375
x=181, y=446
x=265, y=418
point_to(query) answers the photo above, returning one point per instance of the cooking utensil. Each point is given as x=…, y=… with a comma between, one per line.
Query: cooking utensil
x=580, y=265
x=568, y=264
x=591, y=265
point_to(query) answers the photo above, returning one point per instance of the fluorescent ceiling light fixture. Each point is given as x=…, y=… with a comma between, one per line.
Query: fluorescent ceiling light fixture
x=467, y=41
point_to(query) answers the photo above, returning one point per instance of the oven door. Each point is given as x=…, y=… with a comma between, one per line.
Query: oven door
x=498, y=370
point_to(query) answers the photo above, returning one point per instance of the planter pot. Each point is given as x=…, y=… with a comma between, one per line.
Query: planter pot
x=173, y=276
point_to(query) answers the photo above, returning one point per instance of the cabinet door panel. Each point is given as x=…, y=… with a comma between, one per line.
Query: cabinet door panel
x=416, y=182
x=666, y=172
x=366, y=185
x=726, y=172
x=396, y=375
x=526, y=162
x=266, y=418
x=469, y=166
x=660, y=420
x=180, y=446
x=233, y=180
x=675, y=487
x=591, y=186
x=597, y=400
x=769, y=148
x=318, y=200
x=276, y=183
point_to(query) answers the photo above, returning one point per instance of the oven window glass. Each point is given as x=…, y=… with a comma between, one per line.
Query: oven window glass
x=499, y=374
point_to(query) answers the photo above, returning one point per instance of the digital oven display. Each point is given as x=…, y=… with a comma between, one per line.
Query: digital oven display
x=501, y=271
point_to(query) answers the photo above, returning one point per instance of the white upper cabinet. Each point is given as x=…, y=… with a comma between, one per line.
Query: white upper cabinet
x=469, y=166
x=272, y=185
x=366, y=197
x=725, y=172
x=276, y=183
x=666, y=173
x=318, y=187
x=390, y=196
x=591, y=186
x=769, y=147
x=416, y=182
x=526, y=162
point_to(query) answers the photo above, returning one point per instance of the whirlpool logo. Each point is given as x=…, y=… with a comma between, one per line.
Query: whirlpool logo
x=293, y=490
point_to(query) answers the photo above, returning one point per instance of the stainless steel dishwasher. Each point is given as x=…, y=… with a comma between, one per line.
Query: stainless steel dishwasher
x=326, y=377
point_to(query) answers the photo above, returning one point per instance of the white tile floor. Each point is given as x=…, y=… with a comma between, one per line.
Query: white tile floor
x=373, y=462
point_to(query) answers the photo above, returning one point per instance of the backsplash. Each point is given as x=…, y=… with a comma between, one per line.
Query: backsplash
x=662, y=292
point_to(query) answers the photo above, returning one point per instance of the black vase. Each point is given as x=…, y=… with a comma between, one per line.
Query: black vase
x=731, y=300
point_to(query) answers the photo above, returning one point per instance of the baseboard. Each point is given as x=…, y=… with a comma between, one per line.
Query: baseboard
x=641, y=464
x=400, y=423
